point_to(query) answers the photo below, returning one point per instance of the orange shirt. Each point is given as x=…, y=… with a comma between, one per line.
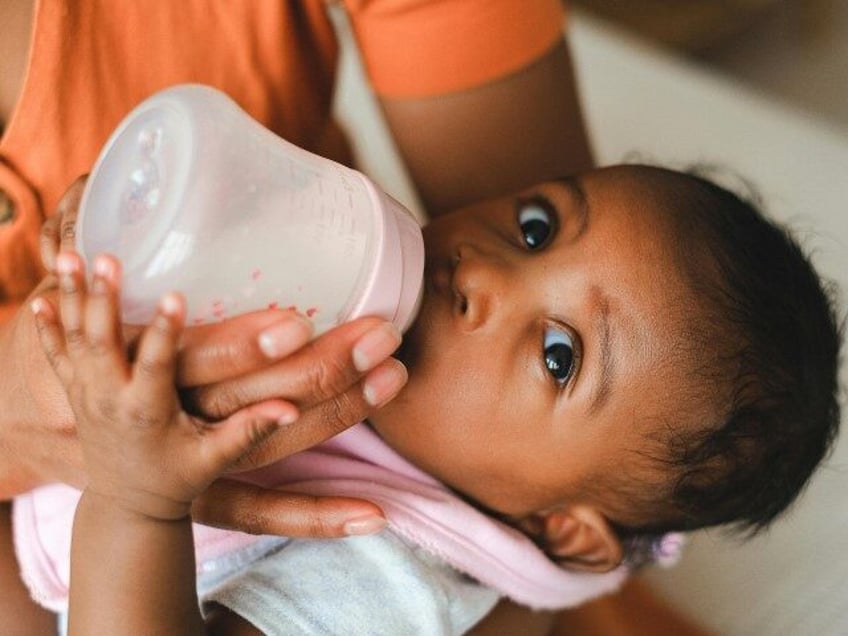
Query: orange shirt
x=91, y=62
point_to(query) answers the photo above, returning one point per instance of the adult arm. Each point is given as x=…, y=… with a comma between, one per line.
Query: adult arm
x=510, y=618
x=635, y=610
x=496, y=138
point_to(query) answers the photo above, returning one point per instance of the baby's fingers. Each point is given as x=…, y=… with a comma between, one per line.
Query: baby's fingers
x=51, y=339
x=71, y=299
x=101, y=322
x=156, y=360
x=230, y=439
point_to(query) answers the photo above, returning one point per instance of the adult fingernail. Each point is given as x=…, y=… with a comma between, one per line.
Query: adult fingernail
x=384, y=383
x=364, y=525
x=285, y=337
x=375, y=346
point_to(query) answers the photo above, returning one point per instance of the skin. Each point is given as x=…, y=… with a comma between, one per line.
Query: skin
x=490, y=302
x=530, y=118
x=16, y=18
x=129, y=415
x=223, y=370
x=38, y=431
x=142, y=519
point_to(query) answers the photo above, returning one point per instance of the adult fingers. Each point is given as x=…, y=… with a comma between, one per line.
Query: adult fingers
x=321, y=370
x=329, y=417
x=256, y=510
x=59, y=231
x=221, y=351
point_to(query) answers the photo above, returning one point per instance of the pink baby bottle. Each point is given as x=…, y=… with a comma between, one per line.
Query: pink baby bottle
x=192, y=194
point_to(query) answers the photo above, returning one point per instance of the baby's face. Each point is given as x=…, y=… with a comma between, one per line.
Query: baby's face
x=544, y=344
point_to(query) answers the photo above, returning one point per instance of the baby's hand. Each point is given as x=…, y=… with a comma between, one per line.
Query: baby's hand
x=141, y=449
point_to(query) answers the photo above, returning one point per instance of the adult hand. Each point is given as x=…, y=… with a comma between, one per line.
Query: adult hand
x=335, y=381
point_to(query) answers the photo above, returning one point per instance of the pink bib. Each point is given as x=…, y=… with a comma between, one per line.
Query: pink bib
x=354, y=463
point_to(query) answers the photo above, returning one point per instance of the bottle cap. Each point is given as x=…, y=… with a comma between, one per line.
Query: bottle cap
x=395, y=286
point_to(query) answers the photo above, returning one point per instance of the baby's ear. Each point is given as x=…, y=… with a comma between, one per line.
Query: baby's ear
x=580, y=538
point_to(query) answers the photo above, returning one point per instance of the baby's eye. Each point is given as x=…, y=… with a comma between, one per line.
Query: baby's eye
x=558, y=351
x=537, y=221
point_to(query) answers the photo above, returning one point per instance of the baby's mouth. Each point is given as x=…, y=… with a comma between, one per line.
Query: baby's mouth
x=441, y=291
x=440, y=278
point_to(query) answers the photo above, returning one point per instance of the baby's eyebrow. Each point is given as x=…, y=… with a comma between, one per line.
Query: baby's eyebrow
x=581, y=204
x=602, y=306
x=603, y=387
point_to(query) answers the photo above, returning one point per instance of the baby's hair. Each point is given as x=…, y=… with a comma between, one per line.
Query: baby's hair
x=764, y=345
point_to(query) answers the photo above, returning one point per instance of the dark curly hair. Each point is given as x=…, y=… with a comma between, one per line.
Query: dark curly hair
x=764, y=338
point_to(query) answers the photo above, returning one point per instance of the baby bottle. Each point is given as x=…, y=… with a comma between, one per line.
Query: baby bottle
x=192, y=194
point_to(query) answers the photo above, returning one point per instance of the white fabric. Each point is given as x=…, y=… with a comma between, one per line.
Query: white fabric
x=357, y=463
x=370, y=585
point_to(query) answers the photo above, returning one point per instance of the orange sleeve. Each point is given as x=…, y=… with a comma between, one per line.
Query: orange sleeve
x=416, y=48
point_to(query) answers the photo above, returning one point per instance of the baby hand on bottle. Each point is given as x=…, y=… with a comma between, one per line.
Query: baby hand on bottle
x=141, y=449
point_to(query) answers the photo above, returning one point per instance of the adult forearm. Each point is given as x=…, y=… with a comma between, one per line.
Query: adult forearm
x=509, y=618
x=494, y=139
x=131, y=574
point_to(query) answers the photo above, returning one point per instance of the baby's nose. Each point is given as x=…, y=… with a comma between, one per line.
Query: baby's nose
x=481, y=281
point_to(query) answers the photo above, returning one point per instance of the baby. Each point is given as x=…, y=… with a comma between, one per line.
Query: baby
x=598, y=361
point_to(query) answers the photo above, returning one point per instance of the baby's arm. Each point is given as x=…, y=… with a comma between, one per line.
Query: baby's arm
x=132, y=561
x=20, y=614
